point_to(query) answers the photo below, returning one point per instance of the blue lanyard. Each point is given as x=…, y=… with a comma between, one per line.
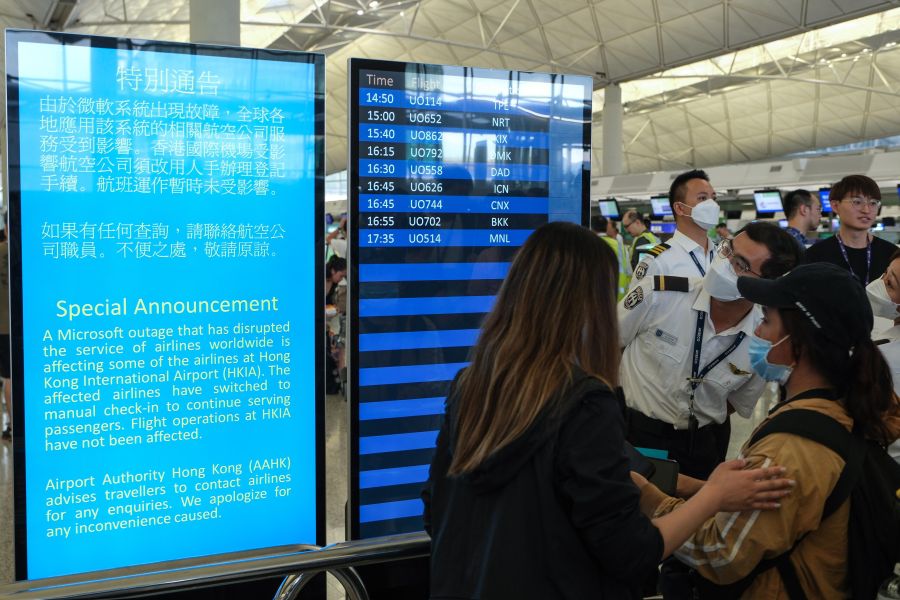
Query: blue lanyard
x=698, y=374
x=697, y=262
x=847, y=259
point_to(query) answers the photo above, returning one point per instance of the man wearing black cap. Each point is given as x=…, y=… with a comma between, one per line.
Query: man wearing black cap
x=815, y=341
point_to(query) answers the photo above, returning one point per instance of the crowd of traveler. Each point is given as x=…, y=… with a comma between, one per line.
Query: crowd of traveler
x=571, y=369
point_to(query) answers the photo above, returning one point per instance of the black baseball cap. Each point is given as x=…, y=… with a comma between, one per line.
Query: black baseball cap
x=832, y=299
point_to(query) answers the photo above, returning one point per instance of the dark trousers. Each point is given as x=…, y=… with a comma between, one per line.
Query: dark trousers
x=697, y=457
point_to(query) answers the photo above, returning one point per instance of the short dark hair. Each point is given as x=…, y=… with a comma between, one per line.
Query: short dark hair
x=335, y=264
x=676, y=190
x=855, y=184
x=784, y=249
x=720, y=225
x=598, y=223
x=636, y=215
x=794, y=199
x=894, y=256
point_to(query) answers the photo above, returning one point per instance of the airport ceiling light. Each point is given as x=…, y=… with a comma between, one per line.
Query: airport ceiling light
x=835, y=42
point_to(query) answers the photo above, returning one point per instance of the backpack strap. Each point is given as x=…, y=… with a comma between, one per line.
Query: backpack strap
x=789, y=575
x=823, y=430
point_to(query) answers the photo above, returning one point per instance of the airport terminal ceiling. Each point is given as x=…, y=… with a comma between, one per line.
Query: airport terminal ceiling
x=699, y=87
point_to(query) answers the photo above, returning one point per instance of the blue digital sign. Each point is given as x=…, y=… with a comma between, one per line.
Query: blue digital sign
x=824, y=195
x=167, y=300
x=451, y=169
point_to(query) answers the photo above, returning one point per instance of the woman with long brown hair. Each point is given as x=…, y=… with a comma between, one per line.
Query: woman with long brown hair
x=529, y=493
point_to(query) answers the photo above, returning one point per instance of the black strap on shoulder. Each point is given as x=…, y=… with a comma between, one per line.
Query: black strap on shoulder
x=824, y=430
x=670, y=283
x=789, y=576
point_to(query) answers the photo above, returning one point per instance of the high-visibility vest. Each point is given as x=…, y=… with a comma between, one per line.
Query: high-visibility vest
x=624, y=264
x=642, y=244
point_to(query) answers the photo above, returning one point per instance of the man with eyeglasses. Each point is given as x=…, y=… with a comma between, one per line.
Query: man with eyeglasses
x=856, y=200
x=642, y=239
x=685, y=364
x=803, y=212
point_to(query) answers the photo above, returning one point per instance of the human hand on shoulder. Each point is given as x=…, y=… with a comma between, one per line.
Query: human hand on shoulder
x=735, y=488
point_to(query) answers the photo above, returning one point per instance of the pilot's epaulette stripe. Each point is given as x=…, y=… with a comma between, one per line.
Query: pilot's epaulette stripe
x=658, y=249
x=670, y=283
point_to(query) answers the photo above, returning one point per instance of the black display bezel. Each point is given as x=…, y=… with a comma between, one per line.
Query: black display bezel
x=618, y=216
x=768, y=213
x=355, y=66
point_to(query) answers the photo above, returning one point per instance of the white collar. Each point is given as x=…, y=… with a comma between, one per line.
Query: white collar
x=690, y=245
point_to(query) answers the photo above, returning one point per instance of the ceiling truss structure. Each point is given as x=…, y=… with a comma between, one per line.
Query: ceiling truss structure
x=772, y=111
x=782, y=106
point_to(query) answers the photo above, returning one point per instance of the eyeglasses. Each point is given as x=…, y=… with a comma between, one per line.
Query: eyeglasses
x=629, y=224
x=740, y=266
x=858, y=203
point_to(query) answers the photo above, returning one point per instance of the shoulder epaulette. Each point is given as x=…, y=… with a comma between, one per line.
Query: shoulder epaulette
x=658, y=249
x=670, y=283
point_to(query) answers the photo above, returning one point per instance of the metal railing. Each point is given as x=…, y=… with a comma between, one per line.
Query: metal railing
x=297, y=567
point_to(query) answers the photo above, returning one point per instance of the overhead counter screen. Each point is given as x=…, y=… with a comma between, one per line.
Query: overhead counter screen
x=451, y=168
x=166, y=210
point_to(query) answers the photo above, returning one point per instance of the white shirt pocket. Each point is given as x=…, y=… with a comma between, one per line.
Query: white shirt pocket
x=670, y=351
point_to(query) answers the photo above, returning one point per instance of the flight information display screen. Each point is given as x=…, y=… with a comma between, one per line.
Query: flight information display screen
x=609, y=208
x=167, y=300
x=451, y=168
x=824, y=196
x=767, y=201
x=660, y=207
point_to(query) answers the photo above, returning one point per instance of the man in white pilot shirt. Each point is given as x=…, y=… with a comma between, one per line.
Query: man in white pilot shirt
x=690, y=251
x=673, y=398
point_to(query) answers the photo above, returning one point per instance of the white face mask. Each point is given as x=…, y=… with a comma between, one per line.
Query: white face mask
x=706, y=214
x=880, y=300
x=721, y=280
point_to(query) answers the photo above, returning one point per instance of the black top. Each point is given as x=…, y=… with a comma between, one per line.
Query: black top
x=829, y=251
x=553, y=515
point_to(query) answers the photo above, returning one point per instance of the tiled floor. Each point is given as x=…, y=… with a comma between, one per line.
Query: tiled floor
x=336, y=458
x=337, y=424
